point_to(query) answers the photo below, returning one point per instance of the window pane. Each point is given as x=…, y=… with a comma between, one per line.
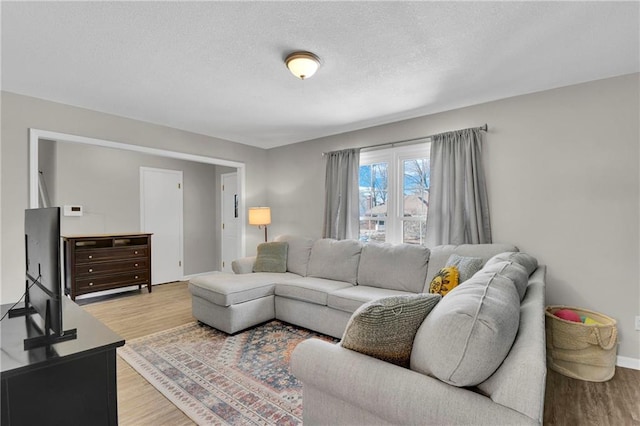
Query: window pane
x=373, y=201
x=372, y=230
x=415, y=187
x=414, y=231
x=415, y=201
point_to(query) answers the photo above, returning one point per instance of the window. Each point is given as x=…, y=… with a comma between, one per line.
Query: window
x=394, y=194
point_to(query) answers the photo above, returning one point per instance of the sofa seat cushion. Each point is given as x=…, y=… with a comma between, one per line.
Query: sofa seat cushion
x=469, y=333
x=309, y=289
x=229, y=289
x=335, y=260
x=394, y=266
x=351, y=298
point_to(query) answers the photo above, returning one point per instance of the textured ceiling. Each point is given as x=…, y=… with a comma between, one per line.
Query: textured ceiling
x=216, y=68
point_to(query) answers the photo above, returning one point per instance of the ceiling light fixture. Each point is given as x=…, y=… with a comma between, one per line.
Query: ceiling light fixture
x=302, y=64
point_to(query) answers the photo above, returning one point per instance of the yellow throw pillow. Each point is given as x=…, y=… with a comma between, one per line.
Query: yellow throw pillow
x=444, y=281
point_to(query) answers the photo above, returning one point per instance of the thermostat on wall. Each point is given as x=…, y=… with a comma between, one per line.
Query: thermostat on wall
x=73, y=210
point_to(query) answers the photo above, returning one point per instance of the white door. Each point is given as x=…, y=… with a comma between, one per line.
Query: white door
x=161, y=214
x=230, y=220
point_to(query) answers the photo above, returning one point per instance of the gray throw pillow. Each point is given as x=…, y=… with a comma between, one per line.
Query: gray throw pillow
x=271, y=257
x=467, y=266
x=385, y=328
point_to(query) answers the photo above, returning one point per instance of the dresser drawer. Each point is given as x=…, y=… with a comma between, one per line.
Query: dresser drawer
x=114, y=267
x=97, y=255
x=117, y=280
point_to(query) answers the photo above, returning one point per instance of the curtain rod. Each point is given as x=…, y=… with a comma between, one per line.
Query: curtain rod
x=484, y=128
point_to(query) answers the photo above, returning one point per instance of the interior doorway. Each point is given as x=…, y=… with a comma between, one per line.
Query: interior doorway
x=230, y=220
x=38, y=137
x=161, y=204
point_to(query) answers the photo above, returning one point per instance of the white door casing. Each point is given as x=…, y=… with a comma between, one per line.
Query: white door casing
x=230, y=220
x=161, y=214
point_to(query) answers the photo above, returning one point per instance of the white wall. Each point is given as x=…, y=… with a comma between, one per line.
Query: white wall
x=563, y=180
x=19, y=113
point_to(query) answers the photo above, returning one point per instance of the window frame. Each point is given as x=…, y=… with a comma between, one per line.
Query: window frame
x=394, y=157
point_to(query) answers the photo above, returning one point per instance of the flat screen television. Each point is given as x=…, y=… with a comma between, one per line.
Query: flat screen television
x=43, y=292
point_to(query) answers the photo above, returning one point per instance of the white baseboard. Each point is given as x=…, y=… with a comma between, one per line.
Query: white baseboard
x=108, y=292
x=627, y=362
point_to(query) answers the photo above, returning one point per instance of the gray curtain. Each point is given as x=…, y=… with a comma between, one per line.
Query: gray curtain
x=458, y=205
x=341, y=208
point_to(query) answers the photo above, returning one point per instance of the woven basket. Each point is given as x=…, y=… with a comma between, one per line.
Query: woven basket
x=581, y=351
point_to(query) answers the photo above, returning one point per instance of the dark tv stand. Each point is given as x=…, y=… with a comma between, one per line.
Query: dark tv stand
x=69, y=382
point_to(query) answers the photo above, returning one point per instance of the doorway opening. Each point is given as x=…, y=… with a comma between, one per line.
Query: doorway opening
x=38, y=139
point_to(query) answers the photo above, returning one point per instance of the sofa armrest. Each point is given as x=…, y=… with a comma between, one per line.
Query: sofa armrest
x=385, y=391
x=244, y=265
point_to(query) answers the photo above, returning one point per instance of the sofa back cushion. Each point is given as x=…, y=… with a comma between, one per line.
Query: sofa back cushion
x=394, y=266
x=298, y=253
x=469, y=333
x=335, y=260
x=440, y=255
x=520, y=266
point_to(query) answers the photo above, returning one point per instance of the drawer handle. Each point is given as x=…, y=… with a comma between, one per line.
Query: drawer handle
x=135, y=264
x=90, y=257
x=90, y=283
x=90, y=270
x=136, y=277
x=135, y=252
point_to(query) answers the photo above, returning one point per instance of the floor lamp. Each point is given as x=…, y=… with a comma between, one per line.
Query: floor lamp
x=260, y=216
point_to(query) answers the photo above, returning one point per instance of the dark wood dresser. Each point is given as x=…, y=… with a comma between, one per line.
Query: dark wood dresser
x=104, y=262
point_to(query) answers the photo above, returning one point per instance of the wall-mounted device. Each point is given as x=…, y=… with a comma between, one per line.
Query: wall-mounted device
x=73, y=210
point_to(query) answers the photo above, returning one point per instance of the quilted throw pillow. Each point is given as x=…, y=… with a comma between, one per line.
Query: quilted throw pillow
x=271, y=257
x=444, y=281
x=467, y=266
x=385, y=328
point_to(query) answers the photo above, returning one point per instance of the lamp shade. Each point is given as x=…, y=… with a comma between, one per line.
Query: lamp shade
x=302, y=64
x=259, y=216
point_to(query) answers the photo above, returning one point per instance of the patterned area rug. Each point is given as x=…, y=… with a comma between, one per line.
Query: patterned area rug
x=215, y=378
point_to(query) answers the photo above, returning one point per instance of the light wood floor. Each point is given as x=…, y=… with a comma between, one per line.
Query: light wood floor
x=567, y=401
x=138, y=314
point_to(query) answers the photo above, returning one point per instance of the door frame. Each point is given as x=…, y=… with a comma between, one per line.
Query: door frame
x=144, y=169
x=37, y=135
x=240, y=209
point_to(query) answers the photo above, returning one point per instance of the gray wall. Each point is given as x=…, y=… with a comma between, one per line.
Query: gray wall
x=563, y=181
x=106, y=182
x=19, y=113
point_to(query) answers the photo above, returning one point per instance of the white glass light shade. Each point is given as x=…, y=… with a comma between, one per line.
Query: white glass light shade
x=302, y=64
x=259, y=216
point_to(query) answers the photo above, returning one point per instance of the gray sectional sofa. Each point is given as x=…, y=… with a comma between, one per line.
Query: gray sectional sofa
x=326, y=281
